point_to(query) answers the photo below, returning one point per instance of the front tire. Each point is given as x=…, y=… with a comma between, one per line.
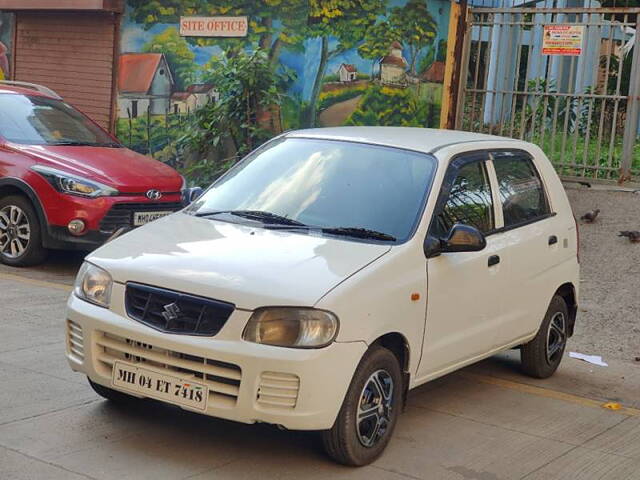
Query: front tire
x=541, y=356
x=369, y=412
x=20, y=233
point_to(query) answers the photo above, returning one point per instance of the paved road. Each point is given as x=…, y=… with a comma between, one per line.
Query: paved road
x=486, y=422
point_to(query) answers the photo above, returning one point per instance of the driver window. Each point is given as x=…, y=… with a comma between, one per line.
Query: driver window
x=469, y=201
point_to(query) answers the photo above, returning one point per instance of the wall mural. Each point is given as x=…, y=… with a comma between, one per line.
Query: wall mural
x=380, y=62
x=6, y=34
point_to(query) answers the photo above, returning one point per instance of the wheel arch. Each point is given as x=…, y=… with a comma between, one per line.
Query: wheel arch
x=15, y=186
x=397, y=344
x=568, y=293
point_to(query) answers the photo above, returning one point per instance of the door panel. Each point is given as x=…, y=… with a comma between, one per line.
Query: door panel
x=464, y=298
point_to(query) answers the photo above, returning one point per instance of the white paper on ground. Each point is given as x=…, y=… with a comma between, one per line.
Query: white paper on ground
x=595, y=359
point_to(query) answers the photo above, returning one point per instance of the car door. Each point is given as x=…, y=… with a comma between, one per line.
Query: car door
x=465, y=289
x=532, y=237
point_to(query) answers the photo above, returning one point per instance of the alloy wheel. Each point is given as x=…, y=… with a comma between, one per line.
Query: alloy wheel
x=374, y=408
x=15, y=231
x=556, y=337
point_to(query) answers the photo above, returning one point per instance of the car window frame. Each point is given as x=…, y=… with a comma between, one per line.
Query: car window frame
x=456, y=162
x=545, y=191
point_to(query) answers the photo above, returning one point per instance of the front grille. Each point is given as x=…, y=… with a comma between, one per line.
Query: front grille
x=278, y=390
x=121, y=214
x=221, y=378
x=75, y=340
x=175, y=312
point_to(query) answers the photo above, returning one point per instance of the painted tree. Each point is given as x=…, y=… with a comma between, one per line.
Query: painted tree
x=273, y=24
x=377, y=41
x=416, y=26
x=179, y=57
x=347, y=21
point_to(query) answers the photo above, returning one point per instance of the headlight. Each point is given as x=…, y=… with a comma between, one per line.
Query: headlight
x=68, y=183
x=291, y=327
x=93, y=284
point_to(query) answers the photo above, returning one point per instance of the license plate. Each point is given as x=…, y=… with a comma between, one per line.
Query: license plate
x=140, y=218
x=168, y=388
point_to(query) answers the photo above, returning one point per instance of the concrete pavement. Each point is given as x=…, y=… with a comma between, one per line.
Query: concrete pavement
x=487, y=422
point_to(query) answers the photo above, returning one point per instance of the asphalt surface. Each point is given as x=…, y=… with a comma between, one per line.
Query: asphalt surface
x=486, y=422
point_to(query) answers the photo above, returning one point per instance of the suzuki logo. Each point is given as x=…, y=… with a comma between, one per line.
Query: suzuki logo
x=154, y=195
x=171, y=312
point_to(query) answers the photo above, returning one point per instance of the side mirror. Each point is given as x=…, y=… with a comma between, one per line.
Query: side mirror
x=464, y=238
x=191, y=195
x=461, y=238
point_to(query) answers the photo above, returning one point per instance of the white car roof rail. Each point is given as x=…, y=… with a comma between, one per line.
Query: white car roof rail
x=32, y=86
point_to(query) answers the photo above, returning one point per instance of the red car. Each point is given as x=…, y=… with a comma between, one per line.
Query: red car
x=65, y=183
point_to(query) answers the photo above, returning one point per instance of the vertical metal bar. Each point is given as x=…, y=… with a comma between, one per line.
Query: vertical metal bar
x=525, y=95
x=475, y=77
x=462, y=85
x=514, y=97
x=633, y=110
x=614, y=123
x=554, y=127
x=568, y=107
x=513, y=85
x=545, y=103
x=486, y=67
x=508, y=60
x=603, y=105
x=499, y=21
x=594, y=80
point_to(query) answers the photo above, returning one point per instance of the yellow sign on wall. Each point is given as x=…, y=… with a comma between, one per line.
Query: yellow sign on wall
x=562, y=39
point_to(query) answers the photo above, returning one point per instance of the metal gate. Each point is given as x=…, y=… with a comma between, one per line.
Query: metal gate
x=581, y=105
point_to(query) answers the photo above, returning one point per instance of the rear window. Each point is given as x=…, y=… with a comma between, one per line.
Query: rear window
x=520, y=188
x=33, y=120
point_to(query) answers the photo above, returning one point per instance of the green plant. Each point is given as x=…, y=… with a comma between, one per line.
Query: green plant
x=336, y=96
x=238, y=122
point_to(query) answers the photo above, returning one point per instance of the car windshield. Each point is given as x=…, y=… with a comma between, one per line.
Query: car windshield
x=33, y=120
x=342, y=188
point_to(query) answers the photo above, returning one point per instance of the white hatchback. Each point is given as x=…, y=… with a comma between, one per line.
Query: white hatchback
x=328, y=273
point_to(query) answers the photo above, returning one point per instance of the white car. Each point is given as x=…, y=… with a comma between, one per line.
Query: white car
x=330, y=272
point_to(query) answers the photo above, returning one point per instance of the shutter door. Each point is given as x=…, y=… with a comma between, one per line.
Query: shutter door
x=73, y=55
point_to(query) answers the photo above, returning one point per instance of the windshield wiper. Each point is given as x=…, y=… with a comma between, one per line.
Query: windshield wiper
x=265, y=217
x=358, y=232
x=75, y=143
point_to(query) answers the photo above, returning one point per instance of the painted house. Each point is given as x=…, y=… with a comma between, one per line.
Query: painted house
x=144, y=82
x=183, y=102
x=435, y=73
x=204, y=93
x=393, y=67
x=348, y=73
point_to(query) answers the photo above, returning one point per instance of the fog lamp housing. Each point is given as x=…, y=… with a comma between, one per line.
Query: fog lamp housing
x=77, y=227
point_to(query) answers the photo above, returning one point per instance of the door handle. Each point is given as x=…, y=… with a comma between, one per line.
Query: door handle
x=493, y=260
x=553, y=240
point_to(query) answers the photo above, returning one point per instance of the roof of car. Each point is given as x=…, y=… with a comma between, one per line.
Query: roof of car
x=427, y=140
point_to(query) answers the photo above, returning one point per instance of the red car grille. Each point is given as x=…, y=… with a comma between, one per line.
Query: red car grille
x=121, y=214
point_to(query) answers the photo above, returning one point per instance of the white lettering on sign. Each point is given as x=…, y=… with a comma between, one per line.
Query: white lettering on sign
x=214, y=26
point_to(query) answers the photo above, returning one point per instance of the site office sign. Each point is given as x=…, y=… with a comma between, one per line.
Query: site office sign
x=562, y=40
x=214, y=26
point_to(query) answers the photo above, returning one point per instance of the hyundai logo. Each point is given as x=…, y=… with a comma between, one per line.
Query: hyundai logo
x=154, y=195
x=171, y=312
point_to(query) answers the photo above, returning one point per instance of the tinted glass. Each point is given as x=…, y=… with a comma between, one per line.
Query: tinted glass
x=328, y=184
x=45, y=121
x=521, y=191
x=469, y=201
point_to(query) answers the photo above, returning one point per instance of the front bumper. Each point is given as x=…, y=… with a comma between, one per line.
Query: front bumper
x=297, y=389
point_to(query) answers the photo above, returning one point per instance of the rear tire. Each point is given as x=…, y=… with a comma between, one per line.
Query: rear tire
x=369, y=412
x=110, y=394
x=20, y=233
x=541, y=356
